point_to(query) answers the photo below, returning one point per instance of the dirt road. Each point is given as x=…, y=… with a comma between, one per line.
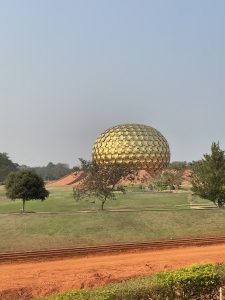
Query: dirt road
x=28, y=280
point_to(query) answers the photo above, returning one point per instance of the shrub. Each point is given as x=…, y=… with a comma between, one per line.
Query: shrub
x=197, y=282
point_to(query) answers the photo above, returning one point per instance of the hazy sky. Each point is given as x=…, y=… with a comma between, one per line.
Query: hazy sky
x=71, y=69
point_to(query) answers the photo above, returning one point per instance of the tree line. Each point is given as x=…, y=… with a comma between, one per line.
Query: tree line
x=55, y=171
x=48, y=173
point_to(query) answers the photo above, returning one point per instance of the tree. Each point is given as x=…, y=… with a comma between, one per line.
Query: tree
x=6, y=166
x=101, y=182
x=25, y=185
x=169, y=178
x=208, y=180
x=172, y=178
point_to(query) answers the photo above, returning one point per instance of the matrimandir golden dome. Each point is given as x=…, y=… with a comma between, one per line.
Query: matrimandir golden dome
x=140, y=145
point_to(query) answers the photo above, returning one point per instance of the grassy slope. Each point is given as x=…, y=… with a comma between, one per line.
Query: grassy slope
x=39, y=231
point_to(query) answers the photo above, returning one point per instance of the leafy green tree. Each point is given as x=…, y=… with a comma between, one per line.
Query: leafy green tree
x=101, y=182
x=208, y=180
x=172, y=178
x=25, y=185
x=169, y=178
x=6, y=166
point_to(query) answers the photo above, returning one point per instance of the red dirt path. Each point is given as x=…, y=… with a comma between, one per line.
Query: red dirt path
x=28, y=280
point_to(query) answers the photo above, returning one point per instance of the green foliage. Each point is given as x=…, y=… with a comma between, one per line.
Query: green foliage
x=209, y=176
x=6, y=166
x=195, y=282
x=159, y=185
x=25, y=185
x=168, y=179
x=101, y=182
x=173, y=178
x=53, y=171
x=179, y=165
x=192, y=283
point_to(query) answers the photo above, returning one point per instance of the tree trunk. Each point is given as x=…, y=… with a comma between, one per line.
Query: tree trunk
x=103, y=202
x=23, y=206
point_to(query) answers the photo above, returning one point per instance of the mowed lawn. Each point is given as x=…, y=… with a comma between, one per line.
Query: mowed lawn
x=61, y=200
x=165, y=218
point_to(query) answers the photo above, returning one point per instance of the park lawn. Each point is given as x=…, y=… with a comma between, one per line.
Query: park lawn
x=61, y=200
x=157, y=216
x=43, y=231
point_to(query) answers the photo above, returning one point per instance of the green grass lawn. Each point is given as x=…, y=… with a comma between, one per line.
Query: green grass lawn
x=168, y=216
x=61, y=200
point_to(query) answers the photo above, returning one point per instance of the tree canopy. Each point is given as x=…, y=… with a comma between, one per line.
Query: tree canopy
x=169, y=178
x=101, y=182
x=25, y=185
x=6, y=166
x=209, y=176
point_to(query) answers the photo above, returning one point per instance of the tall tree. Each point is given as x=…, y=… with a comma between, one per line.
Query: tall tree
x=25, y=185
x=101, y=182
x=209, y=176
x=6, y=166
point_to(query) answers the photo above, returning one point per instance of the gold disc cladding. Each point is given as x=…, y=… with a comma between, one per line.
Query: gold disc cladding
x=141, y=145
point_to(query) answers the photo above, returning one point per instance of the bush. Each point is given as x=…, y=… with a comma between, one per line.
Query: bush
x=193, y=283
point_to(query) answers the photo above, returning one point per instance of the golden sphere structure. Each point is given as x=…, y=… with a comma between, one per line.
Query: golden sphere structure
x=143, y=146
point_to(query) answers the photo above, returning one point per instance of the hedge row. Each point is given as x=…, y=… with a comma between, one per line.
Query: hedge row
x=195, y=282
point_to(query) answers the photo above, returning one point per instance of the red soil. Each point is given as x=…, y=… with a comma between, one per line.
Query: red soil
x=76, y=177
x=142, y=177
x=28, y=280
x=71, y=179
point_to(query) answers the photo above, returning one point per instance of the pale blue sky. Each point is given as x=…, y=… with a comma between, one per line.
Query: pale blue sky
x=71, y=69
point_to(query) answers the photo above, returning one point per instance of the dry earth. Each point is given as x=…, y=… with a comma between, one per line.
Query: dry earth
x=142, y=177
x=22, y=281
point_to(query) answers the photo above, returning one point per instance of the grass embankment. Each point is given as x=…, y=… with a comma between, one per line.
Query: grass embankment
x=195, y=282
x=42, y=231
